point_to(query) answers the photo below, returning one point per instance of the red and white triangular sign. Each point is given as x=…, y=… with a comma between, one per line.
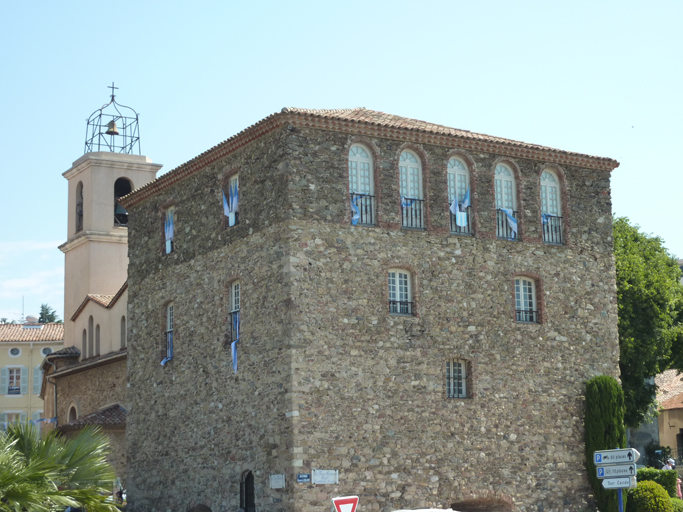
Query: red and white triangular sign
x=345, y=503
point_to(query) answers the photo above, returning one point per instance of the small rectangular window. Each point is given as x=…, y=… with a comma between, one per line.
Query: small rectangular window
x=234, y=311
x=400, y=293
x=169, y=228
x=231, y=200
x=168, y=335
x=456, y=378
x=14, y=381
x=525, y=301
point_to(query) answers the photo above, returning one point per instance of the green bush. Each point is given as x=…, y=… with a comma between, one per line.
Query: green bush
x=604, y=430
x=649, y=496
x=677, y=504
x=665, y=478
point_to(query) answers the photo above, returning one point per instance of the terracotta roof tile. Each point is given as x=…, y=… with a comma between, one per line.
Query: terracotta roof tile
x=371, y=122
x=31, y=332
x=106, y=301
x=112, y=416
x=669, y=389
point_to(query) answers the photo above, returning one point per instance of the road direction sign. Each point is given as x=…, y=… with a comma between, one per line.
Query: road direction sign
x=625, y=455
x=616, y=471
x=628, y=482
x=345, y=503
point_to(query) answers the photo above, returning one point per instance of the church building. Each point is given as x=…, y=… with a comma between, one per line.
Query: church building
x=89, y=373
x=348, y=302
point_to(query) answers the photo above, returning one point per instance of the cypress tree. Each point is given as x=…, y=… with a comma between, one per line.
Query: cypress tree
x=604, y=430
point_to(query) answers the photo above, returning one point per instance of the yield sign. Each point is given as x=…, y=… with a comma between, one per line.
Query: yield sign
x=345, y=503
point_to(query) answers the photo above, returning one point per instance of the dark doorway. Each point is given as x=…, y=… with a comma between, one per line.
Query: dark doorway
x=122, y=187
x=247, y=498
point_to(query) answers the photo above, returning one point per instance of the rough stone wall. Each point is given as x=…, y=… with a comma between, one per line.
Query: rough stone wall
x=194, y=425
x=328, y=379
x=91, y=390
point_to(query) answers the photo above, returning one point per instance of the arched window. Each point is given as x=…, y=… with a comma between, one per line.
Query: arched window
x=525, y=300
x=73, y=414
x=459, y=188
x=97, y=340
x=91, y=337
x=123, y=332
x=122, y=187
x=551, y=208
x=412, y=200
x=506, y=203
x=361, y=185
x=84, y=350
x=79, y=206
x=400, y=293
x=247, y=495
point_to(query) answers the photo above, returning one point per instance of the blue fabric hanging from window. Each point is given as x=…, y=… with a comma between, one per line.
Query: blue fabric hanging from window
x=405, y=203
x=512, y=222
x=354, y=207
x=168, y=231
x=233, y=345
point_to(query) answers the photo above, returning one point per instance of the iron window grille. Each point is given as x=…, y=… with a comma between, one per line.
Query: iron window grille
x=552, y=229
x=456, y=378
x=503, y=229
x=462, y=230
x=528, y=316
x=366, y=208
x=400, y=307
x=412, y=213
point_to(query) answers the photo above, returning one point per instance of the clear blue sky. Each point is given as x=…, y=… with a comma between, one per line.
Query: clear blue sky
x=602, y=78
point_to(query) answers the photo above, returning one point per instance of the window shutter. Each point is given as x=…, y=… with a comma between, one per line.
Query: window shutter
x=4, y=383
x=3, y=419
x=23, y=417
x=24, y=380
x=37, y=380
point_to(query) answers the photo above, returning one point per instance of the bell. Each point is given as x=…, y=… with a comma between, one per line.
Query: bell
x=111, y=128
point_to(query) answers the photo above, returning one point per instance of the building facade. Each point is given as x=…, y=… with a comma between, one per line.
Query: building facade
x=339, y=302
x=85, y=382
x=22, y=349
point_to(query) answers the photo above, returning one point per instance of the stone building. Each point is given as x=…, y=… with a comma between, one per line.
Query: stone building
x=391, y=341
x=89, y=373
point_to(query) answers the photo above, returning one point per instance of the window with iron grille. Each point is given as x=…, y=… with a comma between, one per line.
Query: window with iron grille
x=457, y=376
x=506, y=203
x=412, y=200
x=361, y=186
x=400, y=293
x=525, y=300
x=458, y=186
x=551, y=208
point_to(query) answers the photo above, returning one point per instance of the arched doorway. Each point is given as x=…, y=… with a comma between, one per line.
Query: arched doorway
x=247, y=497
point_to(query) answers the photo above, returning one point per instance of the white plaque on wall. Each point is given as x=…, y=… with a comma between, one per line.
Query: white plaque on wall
x=325, y=476
x=277, y=481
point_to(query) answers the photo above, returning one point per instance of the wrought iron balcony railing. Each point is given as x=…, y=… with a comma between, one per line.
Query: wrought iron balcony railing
x=503, y=228
x=412, y=213
x=552, y=229
x=399, y=307
x=234, y=327
x=366, y=208
x=528, y=316
x=466, y=228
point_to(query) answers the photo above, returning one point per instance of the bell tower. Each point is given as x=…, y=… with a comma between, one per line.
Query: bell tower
x=96, y=250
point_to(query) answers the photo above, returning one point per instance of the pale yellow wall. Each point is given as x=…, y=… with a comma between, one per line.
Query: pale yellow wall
x=670, y=423
x=109, y=321
x=96, y=258
x=30, y=357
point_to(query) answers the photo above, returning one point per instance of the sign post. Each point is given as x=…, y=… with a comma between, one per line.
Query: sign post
x=618, y=470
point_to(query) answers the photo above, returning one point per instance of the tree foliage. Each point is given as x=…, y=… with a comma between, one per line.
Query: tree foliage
x=604, y=430
x=650, y=301
x=52, y=473
x=48, y=315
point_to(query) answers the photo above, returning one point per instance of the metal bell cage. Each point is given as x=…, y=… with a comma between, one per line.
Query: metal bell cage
x=114, y=128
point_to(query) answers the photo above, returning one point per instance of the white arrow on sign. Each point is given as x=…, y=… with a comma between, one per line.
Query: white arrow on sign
x=620, y=483
x=617, y=471
x=625, y=455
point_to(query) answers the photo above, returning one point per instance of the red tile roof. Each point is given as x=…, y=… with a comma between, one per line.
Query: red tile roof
x=31, y=332
x=106, y=301
x=669, y=389
x=370, y=123
x=113, y=416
